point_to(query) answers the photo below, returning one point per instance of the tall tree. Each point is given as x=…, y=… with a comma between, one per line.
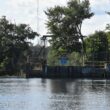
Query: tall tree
x=13, y=43
x=97, y=47
x=65, y=23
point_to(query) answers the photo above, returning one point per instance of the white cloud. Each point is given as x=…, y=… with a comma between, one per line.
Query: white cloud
x=96, y=23
x=99, y=2
x=100, y=19
x=100, y=5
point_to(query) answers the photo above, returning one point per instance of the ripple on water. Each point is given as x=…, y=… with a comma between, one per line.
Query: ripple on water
x=47, y=94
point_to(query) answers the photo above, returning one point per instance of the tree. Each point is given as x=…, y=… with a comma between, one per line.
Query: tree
x=13, y=43
x=65, y=24
x=97, y=46
x=52, y=58
x=108, y=25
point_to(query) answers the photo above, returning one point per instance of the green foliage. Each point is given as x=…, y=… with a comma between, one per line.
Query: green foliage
x=52, y=58
x=65, y=23
x=108, y=37
x=13, y=43
x=97, y=46
x=74, y=59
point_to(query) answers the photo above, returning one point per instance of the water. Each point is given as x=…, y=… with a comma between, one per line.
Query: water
x=47, y=94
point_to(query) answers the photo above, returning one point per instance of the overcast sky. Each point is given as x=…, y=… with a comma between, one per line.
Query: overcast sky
x=25, y=11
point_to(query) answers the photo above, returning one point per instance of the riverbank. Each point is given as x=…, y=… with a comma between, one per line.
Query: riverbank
x=16, y=75
x=69, y=72
x=54, y=72
x=7, y=76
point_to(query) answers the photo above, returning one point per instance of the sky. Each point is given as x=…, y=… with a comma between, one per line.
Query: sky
x=25, y=11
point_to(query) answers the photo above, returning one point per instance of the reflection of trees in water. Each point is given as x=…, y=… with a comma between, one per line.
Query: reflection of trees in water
x=78, y=94
x=67, y=94
x=43, y=82
x=103, y=87
x=76, y=87
x=58, y=86
x=93, y=94
x=93, y=85
x=107, y=94
x=98, y=85
x=66, y=86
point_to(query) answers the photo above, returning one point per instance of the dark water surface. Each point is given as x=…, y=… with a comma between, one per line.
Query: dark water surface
x=58, y=94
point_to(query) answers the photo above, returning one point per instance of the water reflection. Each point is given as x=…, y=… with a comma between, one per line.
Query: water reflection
x=58, y=94
x=58, y=86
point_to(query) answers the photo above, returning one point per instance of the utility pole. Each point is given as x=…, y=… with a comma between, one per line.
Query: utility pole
x=83, y=55
x=38, y=16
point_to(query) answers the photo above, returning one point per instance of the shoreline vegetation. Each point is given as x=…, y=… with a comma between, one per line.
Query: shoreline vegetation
x=73, y=72
x=15, y=75
x=19, y=57
x=7, y=76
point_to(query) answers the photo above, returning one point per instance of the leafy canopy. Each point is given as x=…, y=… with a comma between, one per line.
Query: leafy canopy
x=97, y=46
x=65, y=22
x=13, y=42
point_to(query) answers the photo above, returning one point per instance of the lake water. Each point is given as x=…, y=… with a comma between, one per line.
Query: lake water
x=58, y=94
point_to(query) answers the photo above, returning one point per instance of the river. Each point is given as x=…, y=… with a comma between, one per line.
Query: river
x=56, y=94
